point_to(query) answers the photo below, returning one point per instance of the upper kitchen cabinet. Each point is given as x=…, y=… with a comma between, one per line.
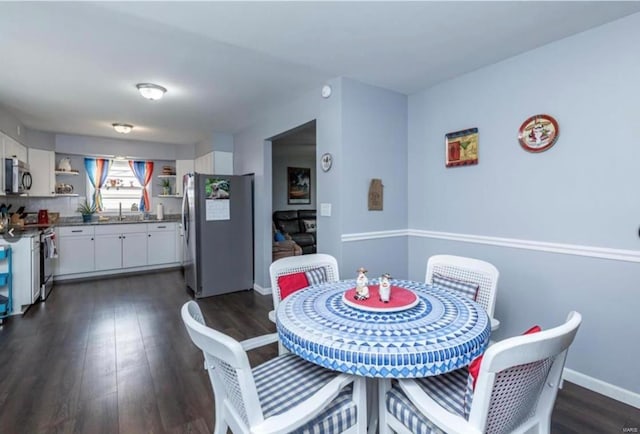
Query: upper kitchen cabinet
x=215, y=162
x=42, y=165
x=13, y=148
x=182, y=168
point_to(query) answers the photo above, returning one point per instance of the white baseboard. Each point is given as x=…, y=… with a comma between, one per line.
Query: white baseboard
x=601, y=387
x=260, y=290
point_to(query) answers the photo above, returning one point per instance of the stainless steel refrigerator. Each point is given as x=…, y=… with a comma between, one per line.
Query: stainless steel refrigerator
x=217, y=214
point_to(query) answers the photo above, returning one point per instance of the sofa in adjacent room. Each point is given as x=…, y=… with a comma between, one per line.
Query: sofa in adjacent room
x=300, y=225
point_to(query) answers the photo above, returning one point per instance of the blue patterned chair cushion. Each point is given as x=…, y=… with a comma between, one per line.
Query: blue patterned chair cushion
x=468, y=289
x=317, y=275
x=288, y=380
x=450, y=390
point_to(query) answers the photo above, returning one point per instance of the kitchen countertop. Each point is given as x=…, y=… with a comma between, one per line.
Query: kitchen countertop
x=77, y=221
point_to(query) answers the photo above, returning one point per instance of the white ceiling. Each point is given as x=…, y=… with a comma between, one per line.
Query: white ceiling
x=72, y=67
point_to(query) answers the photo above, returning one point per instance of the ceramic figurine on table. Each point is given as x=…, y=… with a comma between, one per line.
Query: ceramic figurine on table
x=385, y=288
x=362, y=285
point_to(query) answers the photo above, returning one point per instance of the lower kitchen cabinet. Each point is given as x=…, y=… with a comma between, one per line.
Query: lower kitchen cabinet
x=120, y=246
x=161, y=243
x=75, y=250
x=111, y=248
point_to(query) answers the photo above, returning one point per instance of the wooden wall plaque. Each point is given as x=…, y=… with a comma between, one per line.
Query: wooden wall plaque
x=375, y=195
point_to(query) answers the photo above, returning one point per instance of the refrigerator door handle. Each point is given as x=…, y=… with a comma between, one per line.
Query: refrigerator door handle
x=185, y=215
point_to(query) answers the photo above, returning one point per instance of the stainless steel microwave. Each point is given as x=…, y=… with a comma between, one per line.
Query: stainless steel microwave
x=17, y=179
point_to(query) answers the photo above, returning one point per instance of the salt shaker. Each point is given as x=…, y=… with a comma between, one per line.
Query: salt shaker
x=385, y=288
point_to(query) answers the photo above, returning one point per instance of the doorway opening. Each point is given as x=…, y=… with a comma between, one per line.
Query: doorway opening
x=293, y=182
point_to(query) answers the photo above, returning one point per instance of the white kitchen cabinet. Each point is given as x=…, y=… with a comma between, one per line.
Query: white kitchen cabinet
x=204, y=163
x=215, y=162
x=182, y=168
x=134, y=249
x=76, y=247
x=108, y=251
x=120, y=246
x=42, y=165
x=223, y=163
x=13, y=148
x=161, y=243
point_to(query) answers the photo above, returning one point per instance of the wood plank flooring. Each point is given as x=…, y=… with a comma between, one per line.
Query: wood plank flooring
x=112, y=356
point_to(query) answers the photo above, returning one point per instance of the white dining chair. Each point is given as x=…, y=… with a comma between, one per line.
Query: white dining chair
x=297, y=264
x=515, y=390
x=460, y=268
x=283, y=395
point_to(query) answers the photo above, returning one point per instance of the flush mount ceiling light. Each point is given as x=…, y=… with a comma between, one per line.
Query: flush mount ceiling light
x=151, y=91
x=122, y=128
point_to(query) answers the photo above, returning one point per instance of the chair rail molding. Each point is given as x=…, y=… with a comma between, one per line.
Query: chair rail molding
x=542, y=246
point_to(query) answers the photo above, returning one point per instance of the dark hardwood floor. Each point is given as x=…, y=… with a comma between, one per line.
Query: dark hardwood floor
x=112, y=356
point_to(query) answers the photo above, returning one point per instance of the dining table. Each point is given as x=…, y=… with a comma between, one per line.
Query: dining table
x=427, y=331
x=423, y=330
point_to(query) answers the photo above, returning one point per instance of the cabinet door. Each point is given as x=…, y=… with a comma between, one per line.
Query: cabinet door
x=108, y=251
x=182, y=168
x=75, y=254
x=204, y=164
x=161, y=247
x=223, y=163
x=13, y=148
x=42, y=166
x=134, y=249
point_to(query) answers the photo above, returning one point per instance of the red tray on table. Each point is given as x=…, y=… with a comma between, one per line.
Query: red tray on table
x=401, y=299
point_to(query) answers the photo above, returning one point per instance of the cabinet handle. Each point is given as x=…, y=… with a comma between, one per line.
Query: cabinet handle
x=149, y=235
x=162, y=227
x=123, y=237
x=120, y=237
x=76, y=230
x=91, y=238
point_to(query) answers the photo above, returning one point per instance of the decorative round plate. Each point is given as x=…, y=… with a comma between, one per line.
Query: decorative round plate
x=401, y=299
x=538, y=133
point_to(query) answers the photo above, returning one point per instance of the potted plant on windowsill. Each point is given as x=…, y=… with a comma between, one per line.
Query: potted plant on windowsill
x=86, y=210
x=166, y=186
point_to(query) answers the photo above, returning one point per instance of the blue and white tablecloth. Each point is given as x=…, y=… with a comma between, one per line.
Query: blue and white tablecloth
x=443, y=332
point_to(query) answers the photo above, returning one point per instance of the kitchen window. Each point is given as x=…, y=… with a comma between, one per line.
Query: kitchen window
x=120, y=187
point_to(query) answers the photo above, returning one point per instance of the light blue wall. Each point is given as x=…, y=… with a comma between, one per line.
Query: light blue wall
x=374, y=145
x=40, y=139
x=252, y=154
x=364, y=127
x=9, y=124
x=88, y=145
x=582, y=191
x=217, y=142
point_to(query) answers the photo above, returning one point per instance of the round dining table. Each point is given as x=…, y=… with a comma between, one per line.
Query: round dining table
x=438, y=332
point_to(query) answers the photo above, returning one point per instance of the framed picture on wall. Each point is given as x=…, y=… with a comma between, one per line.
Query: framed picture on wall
x=461, y=148
x=298, y=185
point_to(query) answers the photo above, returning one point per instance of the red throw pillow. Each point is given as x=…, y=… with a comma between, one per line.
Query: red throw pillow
x=291, y=283
x=474, y=367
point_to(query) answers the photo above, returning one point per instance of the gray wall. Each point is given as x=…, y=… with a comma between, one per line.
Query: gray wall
x=252, y=154
x=374, y=131
x=40, y=139
x=582, y=191
x=364, y=127
x=10, y=125
x=217, y=142
x=101, y=146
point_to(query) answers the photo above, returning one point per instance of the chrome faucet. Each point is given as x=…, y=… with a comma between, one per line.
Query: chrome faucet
x=120, y=212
